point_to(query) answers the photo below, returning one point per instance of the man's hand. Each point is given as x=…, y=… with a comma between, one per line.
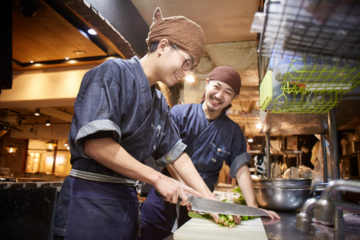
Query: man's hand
x=171, y=190
x=215, y=216
x=272, y=214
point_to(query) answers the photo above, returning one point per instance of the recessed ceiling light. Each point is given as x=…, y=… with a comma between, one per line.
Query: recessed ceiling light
x=250, y=140
x=66, y=58
x=31, y=61
x=258, y=125
x=79, y=53
x=92, y=31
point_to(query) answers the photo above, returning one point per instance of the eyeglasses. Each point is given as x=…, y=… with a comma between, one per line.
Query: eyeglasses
x=188, y=63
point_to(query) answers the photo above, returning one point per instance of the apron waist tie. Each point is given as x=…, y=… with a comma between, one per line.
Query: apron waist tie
x=97, y=177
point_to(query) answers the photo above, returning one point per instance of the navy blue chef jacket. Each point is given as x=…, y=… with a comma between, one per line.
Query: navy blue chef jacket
x=208, y=145
x=114, y=100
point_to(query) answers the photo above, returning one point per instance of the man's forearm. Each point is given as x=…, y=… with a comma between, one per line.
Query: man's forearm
x=188, y=173
x=245, y=183
x=174, y=174
x=110, y=154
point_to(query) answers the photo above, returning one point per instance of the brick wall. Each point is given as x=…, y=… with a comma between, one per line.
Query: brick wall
x=14, y=161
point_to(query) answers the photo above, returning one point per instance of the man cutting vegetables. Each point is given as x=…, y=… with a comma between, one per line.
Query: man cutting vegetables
x=211, y=139
x=120, y=119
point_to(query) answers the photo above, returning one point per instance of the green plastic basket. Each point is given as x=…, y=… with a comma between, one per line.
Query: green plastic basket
x=279, y=101
x=308, y=75
x=266, y=91
x=308, y=102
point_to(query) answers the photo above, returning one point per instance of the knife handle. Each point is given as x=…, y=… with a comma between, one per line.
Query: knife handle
x=158, y=194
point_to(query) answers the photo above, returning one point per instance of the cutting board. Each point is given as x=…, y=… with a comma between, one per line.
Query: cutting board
x=206, y=229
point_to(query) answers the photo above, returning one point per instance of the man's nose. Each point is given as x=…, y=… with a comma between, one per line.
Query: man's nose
x=219, y=95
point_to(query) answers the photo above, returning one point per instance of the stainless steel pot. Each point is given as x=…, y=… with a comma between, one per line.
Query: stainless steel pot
x=281, y=194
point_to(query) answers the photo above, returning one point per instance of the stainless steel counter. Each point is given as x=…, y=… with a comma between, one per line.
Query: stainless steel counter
x=285, y=229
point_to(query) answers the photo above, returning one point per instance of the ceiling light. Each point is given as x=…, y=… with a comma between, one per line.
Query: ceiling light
x=67, y=58
x=31, y=61
x=66, y=144
x=258, y=125
x=190, y=79
x=84, y=33
x=47, y=123
x=68, y=147
x=250, y=139
x=50, y=144
x=92, y=31
x=11, y=149
x=79, y=53
x=37, y=112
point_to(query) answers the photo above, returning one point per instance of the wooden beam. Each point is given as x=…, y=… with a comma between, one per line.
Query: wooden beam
x=55, y=113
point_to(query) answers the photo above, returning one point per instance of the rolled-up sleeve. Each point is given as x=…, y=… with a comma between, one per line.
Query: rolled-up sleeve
x=96, y=107
x=239, y=156
x=171, y=156
x=239, y=161
x=94, y=127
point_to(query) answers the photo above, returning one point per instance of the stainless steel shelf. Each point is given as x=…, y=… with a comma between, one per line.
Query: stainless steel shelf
x=295, y=124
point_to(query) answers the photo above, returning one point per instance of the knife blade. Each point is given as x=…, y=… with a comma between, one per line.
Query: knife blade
x=212, y=206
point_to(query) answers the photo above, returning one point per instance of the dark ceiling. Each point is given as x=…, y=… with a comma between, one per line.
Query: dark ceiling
x=54, y=33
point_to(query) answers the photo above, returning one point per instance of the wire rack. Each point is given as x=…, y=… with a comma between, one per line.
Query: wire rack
x=311, y=28
x=309, y=75
x=274, y=97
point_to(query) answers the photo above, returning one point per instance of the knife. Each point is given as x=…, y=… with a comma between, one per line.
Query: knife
x=212, y=206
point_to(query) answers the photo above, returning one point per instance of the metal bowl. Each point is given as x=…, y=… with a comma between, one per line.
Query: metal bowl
x=281, y=194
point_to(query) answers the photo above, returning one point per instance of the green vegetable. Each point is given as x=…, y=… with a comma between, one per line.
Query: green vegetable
x=222, y=218
x=230, y=217
x=232, y=224
x=201, y=216
x=226, y=220
x=237, y=190
x=244, y=218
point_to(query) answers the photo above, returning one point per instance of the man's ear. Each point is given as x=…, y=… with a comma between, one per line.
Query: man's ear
x=162, y=45
x=207, y=82
x=236, y=96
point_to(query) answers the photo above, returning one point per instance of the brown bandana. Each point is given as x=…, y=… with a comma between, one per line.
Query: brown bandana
x=184, y=33
x=227, y=75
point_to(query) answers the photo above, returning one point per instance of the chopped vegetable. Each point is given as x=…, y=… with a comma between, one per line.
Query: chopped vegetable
x=232, y=224
x=236, y=190
x=230, y=217
x=222, y=218
x=226, y=220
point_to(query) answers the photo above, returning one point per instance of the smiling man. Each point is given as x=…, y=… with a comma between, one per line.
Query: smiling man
x=120, y=119
x=212, y=138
